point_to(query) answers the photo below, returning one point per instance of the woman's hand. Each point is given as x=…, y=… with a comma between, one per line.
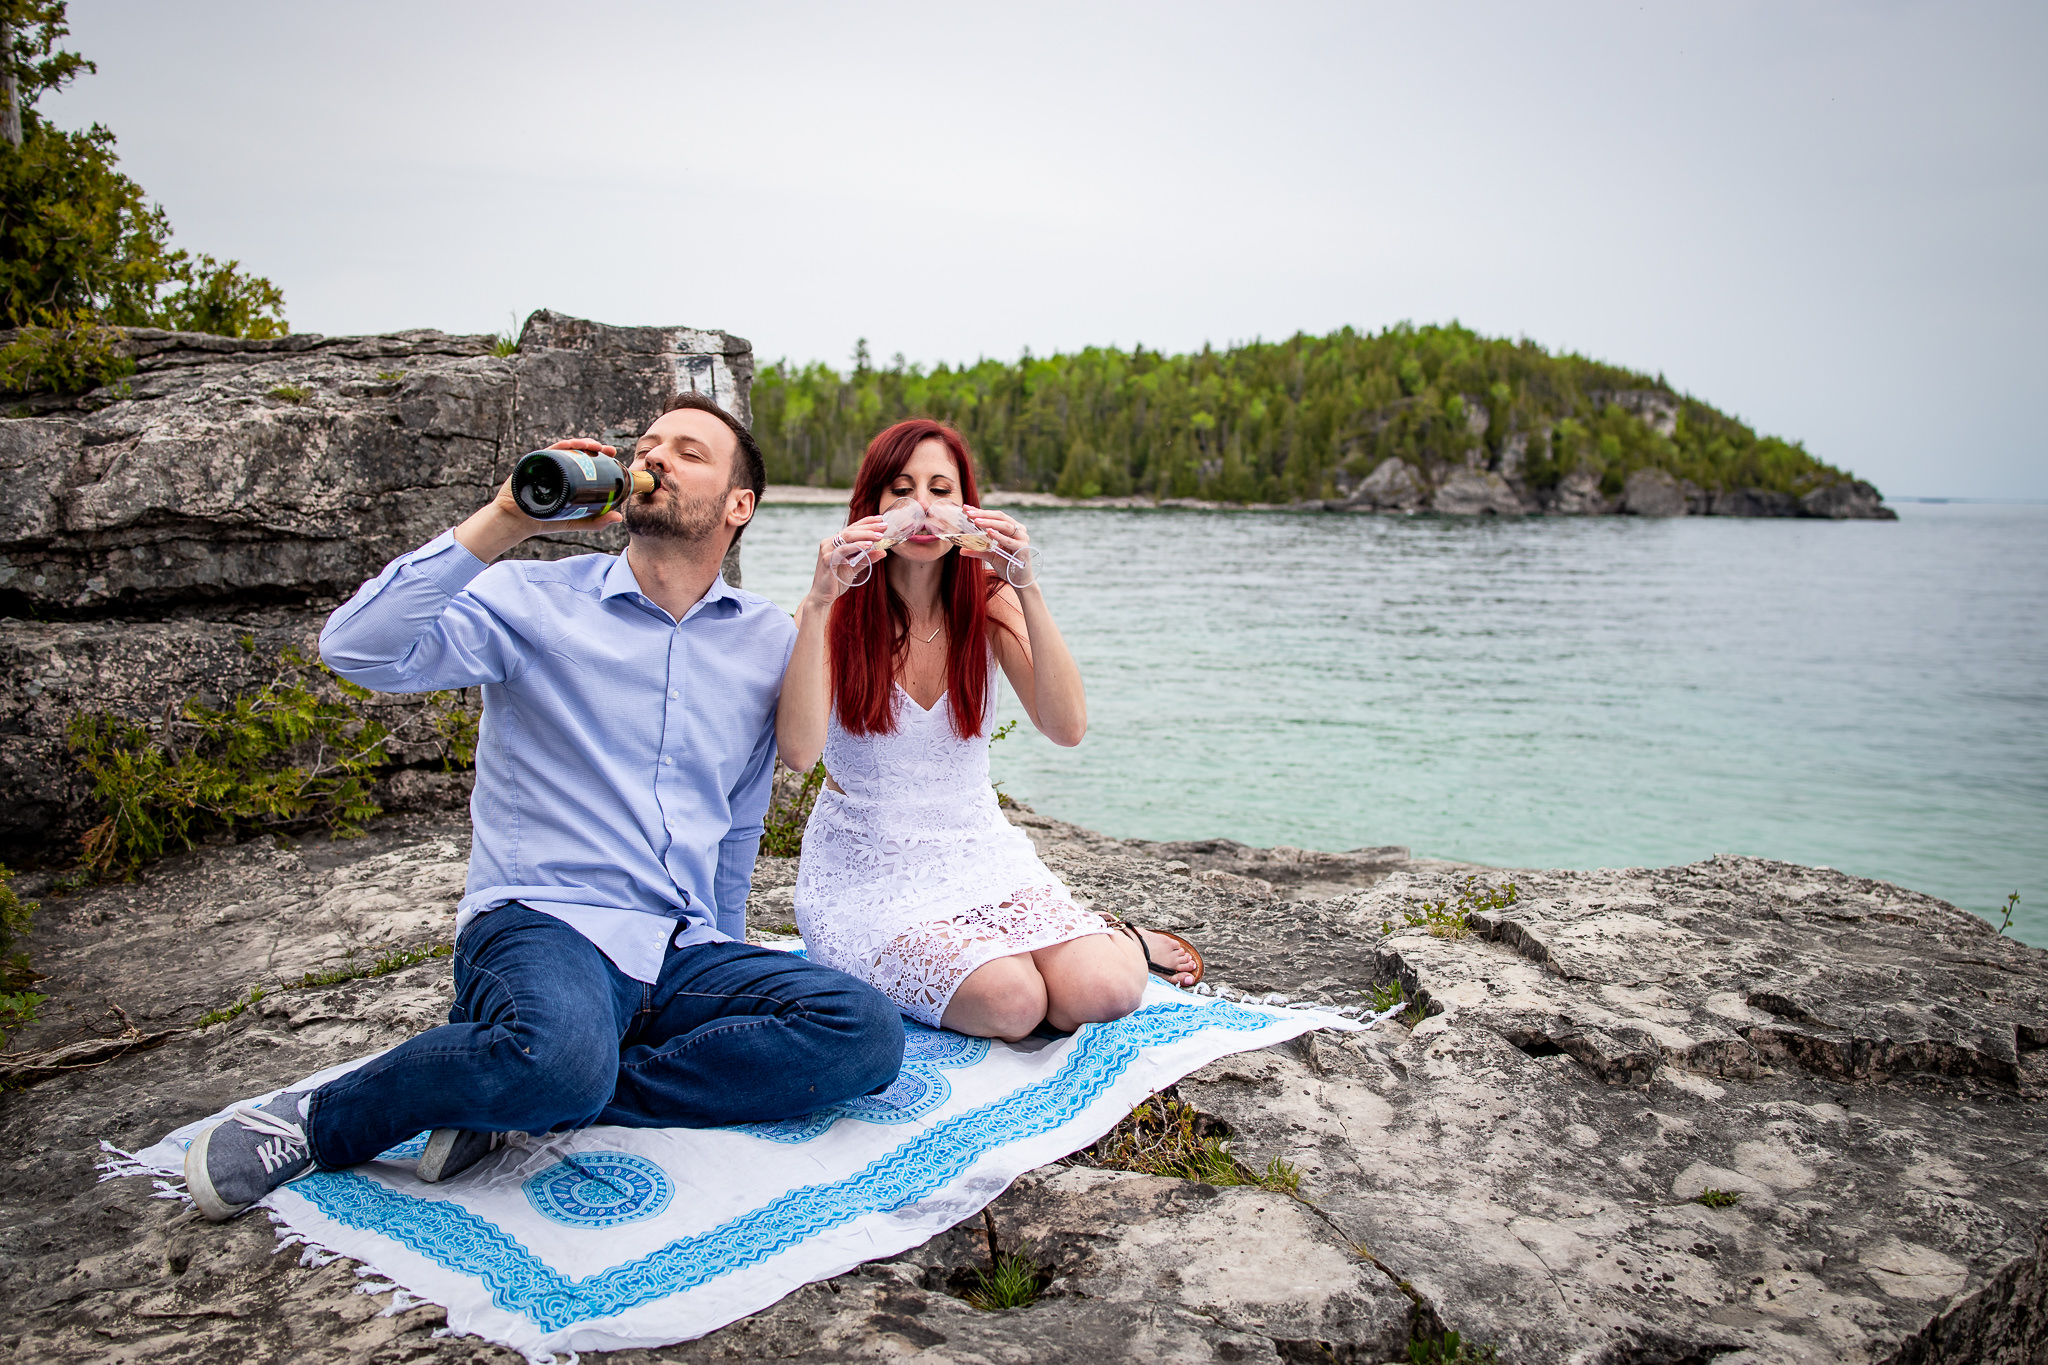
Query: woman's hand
x=1005, y=532
x=836, y=552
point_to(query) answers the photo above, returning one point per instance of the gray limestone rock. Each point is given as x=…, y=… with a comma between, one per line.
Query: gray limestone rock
x=1751, y=502
x=1393, y=484
x=1654, y=408
x=1852, y=500
x=1861, y=1064
x=1513, y=453
x=243, y=488
x=1578, y=495
x=1476, y=492
x=236, y=473
x=1653, y=493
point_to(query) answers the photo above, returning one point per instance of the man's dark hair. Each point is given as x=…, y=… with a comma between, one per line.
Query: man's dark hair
x=749, y=470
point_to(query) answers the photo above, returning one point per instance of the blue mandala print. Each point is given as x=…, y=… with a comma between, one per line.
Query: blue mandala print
x=599, y=1190
x=918, y=1088
x=412, y=1149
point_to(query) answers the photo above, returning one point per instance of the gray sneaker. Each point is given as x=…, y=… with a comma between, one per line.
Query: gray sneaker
x=245, y=1156
x=451, y=1151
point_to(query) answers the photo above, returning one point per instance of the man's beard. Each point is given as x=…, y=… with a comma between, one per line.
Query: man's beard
x=675, y=517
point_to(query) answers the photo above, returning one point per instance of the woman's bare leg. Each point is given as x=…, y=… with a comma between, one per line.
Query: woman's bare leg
x=1091, y=980
x=1003, y=998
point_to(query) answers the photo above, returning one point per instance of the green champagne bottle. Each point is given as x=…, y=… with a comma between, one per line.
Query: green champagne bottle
x=562, y=485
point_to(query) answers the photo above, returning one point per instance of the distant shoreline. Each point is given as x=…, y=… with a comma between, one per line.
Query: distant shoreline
x=801, y=495
x=804, y=495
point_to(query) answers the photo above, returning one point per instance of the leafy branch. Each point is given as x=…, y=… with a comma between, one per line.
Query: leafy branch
x=2012, y=903
x=17, y=1007
x=1451, y=916
x=299, y=754
x=789, y=810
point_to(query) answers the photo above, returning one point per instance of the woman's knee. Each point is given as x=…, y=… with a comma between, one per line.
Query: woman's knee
x=1096, y=989
x=1098, y=1002
x=1001, y=999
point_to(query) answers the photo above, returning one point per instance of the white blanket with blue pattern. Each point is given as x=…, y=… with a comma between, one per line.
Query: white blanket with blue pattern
x=616, y=1237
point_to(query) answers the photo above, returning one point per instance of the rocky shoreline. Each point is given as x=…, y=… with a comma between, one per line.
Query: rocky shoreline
x=1520, y=1162
x=1398, y=488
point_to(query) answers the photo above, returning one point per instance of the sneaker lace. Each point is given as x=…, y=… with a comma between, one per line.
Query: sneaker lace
x=294, y=1135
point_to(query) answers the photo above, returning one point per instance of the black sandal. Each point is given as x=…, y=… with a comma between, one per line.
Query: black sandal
x=1155, y=968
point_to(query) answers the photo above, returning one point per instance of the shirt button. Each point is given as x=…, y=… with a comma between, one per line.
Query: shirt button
x=673, y=695
x=664, y=759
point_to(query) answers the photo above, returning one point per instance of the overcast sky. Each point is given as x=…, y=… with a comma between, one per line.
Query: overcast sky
x=1827, y=219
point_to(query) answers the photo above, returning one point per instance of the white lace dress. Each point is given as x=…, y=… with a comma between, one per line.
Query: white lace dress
x=911, y=877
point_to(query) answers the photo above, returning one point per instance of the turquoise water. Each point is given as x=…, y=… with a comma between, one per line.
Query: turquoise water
x=1562, y=692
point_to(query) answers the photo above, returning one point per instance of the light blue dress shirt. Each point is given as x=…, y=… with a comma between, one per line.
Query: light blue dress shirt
x=625, y=759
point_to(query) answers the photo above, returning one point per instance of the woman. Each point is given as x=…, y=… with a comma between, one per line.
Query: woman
x=911, y=878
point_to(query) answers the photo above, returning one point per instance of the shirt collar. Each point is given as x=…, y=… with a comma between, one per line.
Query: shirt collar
x=620, y=582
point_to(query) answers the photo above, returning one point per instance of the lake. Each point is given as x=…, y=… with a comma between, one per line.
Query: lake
x=1550, y=692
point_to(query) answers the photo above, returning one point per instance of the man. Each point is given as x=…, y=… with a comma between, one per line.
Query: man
x=623, y=770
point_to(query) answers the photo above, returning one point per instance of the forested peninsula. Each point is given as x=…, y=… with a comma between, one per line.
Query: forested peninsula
x=1408, y=418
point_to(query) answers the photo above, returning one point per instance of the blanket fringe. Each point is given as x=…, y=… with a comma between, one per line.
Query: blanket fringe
x=119, y=1163
x=316, y=1255
x=1276, y=1000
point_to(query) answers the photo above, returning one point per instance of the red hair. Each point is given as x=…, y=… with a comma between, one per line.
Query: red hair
x=863, y=675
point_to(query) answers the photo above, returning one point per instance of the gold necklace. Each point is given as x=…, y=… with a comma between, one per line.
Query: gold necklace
x=935, y=632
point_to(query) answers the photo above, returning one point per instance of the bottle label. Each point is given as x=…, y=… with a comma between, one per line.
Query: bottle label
x=584, y=463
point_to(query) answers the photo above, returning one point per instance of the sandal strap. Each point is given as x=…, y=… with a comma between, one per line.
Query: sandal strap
x=1156, y=968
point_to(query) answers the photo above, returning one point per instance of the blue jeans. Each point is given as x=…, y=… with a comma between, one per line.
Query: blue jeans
x=546, y=1034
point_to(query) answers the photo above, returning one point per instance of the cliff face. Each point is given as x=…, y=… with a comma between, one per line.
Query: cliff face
x=236, y=473
x=236, y=490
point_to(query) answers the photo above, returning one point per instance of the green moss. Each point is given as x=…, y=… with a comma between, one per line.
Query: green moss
x=1717, y=1199
x=1449, y=1349
x=396, y=960
x=232, y=1011
x=291, y=393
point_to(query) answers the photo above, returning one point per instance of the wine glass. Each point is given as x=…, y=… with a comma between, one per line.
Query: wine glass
x=949, y=522
x=853, y=561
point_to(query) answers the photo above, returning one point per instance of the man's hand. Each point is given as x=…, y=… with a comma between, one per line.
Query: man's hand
x=498, y=525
